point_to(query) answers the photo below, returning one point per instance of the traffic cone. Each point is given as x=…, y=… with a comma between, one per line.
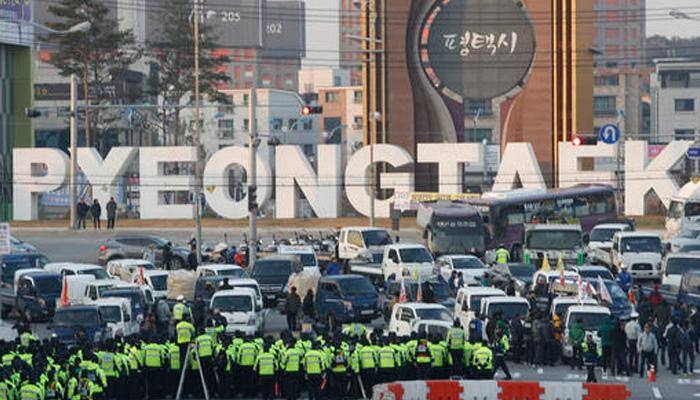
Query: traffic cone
x=652, y=374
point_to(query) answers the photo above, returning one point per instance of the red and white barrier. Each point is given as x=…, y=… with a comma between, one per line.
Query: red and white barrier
x=499, y=390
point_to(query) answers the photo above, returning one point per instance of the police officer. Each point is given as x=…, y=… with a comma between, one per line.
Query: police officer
x=181, y=310
x=482, y=362
x=500, y=349
x=314, y=363
x=185, y=332
x=502, y=254
x=387, y=362
x=290, y=364
x=247, y=354
x=440, y=358
x=205, y=350
x=339, y=369
x=369, y=358
x=591, y=355
x=455, y=344
x=266, y=367
x=154, y=360
x=422, y=357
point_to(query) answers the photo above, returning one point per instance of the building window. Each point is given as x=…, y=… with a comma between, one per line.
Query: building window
x=357, y=122
x=276, y=124
x=684, y=134
x=225, y=128
x=607, y=80
x=246, y=125
x=357, y=97
x=683, y=105
x=292, y=124
x=477, y=135
x=472, y=107
x=245, y=100
x=605, y=105
x=337, y=81
x=307, y=124
x=331, y=97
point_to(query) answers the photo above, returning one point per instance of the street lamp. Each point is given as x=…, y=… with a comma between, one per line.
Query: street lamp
x=80, y=27
x=329, y=135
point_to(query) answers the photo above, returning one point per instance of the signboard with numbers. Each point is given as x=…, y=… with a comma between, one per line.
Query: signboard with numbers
x=5, y=245
x=284, y=29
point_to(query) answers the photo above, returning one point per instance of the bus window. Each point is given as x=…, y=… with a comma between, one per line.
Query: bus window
x=514, y=216
x=581, y=207
x=675, y=210
x=599, y=205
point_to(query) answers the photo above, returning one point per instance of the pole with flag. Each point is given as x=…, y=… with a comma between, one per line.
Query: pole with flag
x=419, y=292
x=402, y=292
x=63, y=300
x=545, y=264
x=560, y=268
x=581, y=290
x=603, y=291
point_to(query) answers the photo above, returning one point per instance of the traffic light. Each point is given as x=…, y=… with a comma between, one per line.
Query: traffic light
x=577, y=141
x=32, y=113
x=252, y=198
x=588, y=140
x=308, y=110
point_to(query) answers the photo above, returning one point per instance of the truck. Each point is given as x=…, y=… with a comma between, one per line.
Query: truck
x=241, y=310
x=397, y=260
x=452, y=228
x=117, y=313
x=553, y=241
x=404, y=316
x=156, y=280
x=36, y=292
x=640, y=252
x=601, y=237
x=591, y=317
x=70, y=321
x=468, y=302
x=342, y=299
x=354, y=241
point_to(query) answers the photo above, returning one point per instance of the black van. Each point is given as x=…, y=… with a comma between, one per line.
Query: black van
x=272, y=274
x=689, y=292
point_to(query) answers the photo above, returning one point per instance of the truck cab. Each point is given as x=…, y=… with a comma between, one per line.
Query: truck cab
x=140, y=296
x=69, y=321
x=560, y=305
x=251, y=284
x=471, y=267
x=640, y=252
x=117, y=313
x=675, y=265
x=70, y=269
x=508, y=306
x=405, y=315
x=553, y=241
x=601, y=237
x=353, y=241
x=342, y=299
x=432, y=327
x=591, y=317
x=156, y=280
x=241, y=310
x=37, y=292
x=411, y=260
x=306, y=255
x=94, y=290
x=468, y=302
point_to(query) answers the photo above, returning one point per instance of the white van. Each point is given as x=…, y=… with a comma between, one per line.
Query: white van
x=251, y=284
x=116, y=312
x=684, y=210
x=468, y=302
x=508, y=306
x=592, y=318
x=239, y=307
x=306, y=254
x=405, y=315
x=675, y=265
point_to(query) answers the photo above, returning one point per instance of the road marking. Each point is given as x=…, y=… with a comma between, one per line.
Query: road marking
x=657, y=393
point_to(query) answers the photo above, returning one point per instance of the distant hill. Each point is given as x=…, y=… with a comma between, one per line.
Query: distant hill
x=664, y=47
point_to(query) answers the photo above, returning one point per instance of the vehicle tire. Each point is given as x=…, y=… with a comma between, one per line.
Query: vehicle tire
x=178, y=263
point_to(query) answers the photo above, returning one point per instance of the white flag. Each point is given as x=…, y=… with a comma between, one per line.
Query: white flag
x=603, y=291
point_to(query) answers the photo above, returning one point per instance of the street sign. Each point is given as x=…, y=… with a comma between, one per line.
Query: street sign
x=693, y=152
x=5, y=245
x=609, y=134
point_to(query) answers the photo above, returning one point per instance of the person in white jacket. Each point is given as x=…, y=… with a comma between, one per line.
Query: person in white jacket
x=648, y=347
x=632, y=330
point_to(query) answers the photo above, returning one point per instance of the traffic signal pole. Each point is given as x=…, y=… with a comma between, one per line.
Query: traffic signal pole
x=252, y=177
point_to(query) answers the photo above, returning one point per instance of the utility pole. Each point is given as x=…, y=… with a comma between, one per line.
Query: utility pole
x=73, y=203
x=197, y=137
x=252, y=175
x=373, y=106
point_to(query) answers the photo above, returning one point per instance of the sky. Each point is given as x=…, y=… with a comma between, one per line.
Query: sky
x=660, y=23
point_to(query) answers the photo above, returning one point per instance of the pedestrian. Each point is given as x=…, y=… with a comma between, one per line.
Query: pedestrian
x=96, y=212
x=605, y=332
x=517, y=337
x=149, y=254
x=672, y=334
x=167, y=256
x=81, y=210
x=687, y=348
x=647, y=347
x=291, y=308
x=632, y=331
x=333, y=267
x=576, y=337
x=111, y=213
x=225, y=285
x=192, y=259
x=308, y=305
x=619, y=348
x=591, y=355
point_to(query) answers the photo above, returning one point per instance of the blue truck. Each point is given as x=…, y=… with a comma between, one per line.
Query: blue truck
x=69, y=323
x=37, y=293
x=9, y=265
x=347, y=298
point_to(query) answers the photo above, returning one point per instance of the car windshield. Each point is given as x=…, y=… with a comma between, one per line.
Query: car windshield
x=69, y=318
x=159, y=282
x=603, y=234
x=589, y=321
x=434, y=313
x=230, y=304
x=522, y=270
x=692, y=209
x=678, y=266
x=437, y=331
x=415, y=255
x=97, y=272
x=594, y=273
x=235, y=272
x=132, y=295
x=467, y=263
x=308, y=259
x=48, y=285
x=553, y=239
x=356, y=287
x=376, y=238
x=111, y=313
x=272, y=268
x=640, y=245
x=475, y=301
x=562, y=308
x=690, y=248
x=508, y=310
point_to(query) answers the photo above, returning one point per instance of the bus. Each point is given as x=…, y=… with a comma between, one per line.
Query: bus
x=451, y=228
x=506, y=214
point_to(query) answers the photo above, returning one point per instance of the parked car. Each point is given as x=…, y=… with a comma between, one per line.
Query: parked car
x=272, y=274
x=593, y=271
x=471, y=267
x=69, y=320
x=346, y=298
x=434, y=291
x=239, y=307
x=133, y=246
x=230, y=270
x=117, y=313
x=620, y=306
x=404, y=316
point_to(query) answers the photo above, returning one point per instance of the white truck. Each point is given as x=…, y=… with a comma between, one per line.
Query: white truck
x=353, y=241
x=639, y=252
x=468, y=302
x=410, y=260
x=675, y=265
x=404, y=316
x=471, y=267
x=241, y=310
x=116, y=312
x=157, y=280
x=553, y=241
x=508, y=306
x=601, y=237
x=306, y=255
x=591, y=318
